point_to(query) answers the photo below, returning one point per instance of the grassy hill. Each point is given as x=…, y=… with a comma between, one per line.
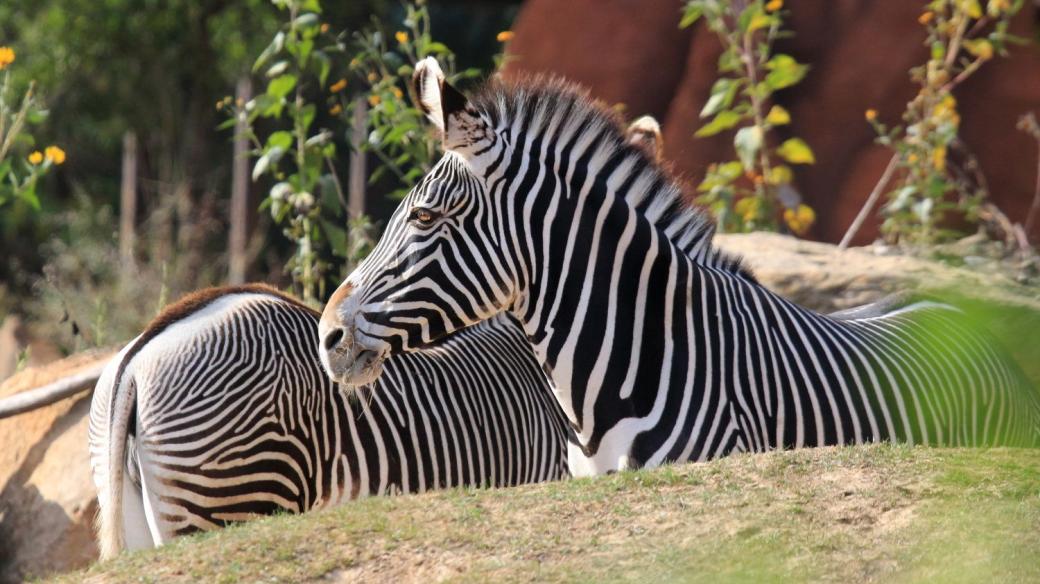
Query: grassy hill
x=878, y=513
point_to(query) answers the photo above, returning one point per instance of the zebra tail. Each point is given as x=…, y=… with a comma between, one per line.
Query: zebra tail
x=122, y=399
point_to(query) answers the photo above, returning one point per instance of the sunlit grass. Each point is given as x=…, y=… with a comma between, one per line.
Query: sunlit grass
x=885, y=513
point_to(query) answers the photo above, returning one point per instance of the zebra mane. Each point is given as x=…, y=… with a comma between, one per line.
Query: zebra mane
x=547, y=103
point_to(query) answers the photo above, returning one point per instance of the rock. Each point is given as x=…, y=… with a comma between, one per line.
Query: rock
x=47, y=498
x=821, y=277
x=14, y=339
x=640, y=58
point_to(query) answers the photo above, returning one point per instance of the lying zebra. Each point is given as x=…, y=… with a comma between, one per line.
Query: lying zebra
x=220, y=411
x=659, y=346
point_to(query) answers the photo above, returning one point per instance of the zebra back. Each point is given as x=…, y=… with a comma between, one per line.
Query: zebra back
x=233, y=415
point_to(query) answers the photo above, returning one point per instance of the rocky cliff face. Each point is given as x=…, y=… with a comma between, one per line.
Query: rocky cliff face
x=860, y=51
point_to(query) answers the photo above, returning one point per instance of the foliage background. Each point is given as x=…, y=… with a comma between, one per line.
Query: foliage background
x=157, y=68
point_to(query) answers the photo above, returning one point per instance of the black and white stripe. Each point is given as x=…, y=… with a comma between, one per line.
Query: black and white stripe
x=227, y=414
x=659, y=347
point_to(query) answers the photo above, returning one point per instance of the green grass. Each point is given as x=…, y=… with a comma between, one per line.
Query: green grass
x=879, y=513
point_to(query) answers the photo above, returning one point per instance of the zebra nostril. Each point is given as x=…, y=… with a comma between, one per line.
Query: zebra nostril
x=333, y=338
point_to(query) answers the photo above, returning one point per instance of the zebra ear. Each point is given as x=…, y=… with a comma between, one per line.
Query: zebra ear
x=646, y=134
x=427, y=82
x=446, y=107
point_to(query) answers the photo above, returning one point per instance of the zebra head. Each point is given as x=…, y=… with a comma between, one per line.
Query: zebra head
x=460, y=247
x=439, y=264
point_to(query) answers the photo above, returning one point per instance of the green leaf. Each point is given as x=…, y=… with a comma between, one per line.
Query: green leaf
x=276, y=46
x=337, y=237
x=748, y=142
x=751, y=15
x=690, y=16
x=722, y=94
x=759, y=21
x=784, y=71
x=37, y=116
x=305, y=48
x=725, y=120
x=306, y=20
x=271, y=157
x=324, y=67
x=281, y=139
x=311, y=6
x=436, y=48
x=280, y=86
x=729, y=61
x=721, y=175
x=778, y=116
x=226, y=124
x=29, y=196
x=277, y=69
x=307, y=115
x=796, y=151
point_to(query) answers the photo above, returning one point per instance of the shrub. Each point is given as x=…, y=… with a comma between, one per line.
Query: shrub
x=754, y=191
x=314, y=74
x=962, y=36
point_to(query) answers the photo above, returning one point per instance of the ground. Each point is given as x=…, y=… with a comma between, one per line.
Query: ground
x=854, y=514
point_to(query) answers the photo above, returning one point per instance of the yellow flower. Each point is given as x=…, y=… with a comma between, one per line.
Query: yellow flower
x=505, y=36
x=774, y=5
x=871, y=115
x=374, y=100
x=939, y=158
x=336, y=110
x=6, y=57
x=54, y=154
x=926, y=17
x=911, y=159
x=401, y=36
x=338, y=86
x=800, y=219
x=397, y=92
x=372, y=77
x=324, y=27
x=36, y=157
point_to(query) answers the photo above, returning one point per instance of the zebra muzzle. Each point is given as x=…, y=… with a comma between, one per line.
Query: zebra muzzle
x=348, y=362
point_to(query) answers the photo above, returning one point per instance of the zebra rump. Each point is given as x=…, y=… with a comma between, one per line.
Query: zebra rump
x=220, y=411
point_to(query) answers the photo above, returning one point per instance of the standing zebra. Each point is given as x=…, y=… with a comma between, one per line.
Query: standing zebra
x=659, y=346
x=220, y=411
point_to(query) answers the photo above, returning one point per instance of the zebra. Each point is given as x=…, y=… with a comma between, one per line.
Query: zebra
x=220, y=411
x=659, y=346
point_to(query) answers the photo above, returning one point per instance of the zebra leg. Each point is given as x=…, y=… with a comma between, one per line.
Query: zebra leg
x=136, y=532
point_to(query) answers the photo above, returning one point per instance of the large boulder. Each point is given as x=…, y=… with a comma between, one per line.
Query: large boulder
x=826, y=279
x=47, y=498
x=860, y=51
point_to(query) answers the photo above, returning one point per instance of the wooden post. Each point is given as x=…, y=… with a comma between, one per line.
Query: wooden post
x=358, y=178
x=128, y=199
x=239, y=233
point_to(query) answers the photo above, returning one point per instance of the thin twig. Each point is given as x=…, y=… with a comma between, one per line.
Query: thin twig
x=339, y=187
x=1028, y=124
x=871, y=201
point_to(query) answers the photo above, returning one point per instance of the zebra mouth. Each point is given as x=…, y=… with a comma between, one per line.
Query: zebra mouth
x=349, y=361
x=359, y=367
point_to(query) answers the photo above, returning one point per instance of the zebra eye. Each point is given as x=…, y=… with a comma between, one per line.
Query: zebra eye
x=424, y=217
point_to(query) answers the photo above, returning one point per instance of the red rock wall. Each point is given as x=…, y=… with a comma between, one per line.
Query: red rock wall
x=632, y=52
